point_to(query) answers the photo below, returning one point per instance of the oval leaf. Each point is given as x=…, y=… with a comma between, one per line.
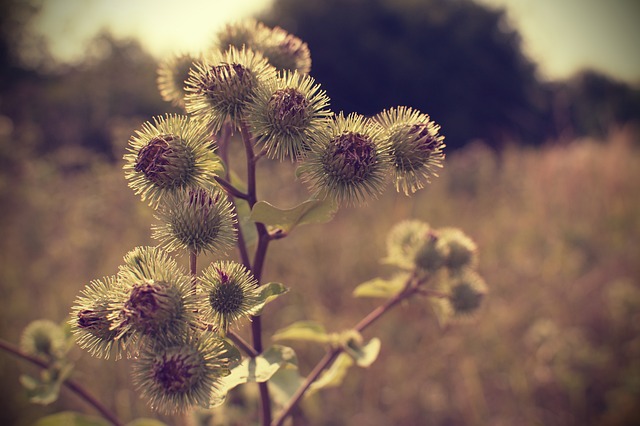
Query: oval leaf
x=310, y=211
x=259, y=369
x=379, y=287
x=268, y=292
x=309, y=331
x=334, y=375
x=70, y=418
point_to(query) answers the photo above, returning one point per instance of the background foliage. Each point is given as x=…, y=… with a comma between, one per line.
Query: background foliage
x=557, y=225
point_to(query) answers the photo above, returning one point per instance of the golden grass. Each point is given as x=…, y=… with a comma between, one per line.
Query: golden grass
x=557, y=341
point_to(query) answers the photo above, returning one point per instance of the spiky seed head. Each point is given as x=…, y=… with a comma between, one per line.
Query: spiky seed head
x=348, y=161
x=283, y=50
x=467, y=292
x=463, y=251
x=91, y=324
x=154, y=297
x=172, y=75
x=196, y=220
x=220, y=87
x=176, y=375
x=172, y=153
x=416, y=146
x=229, y=292
x=403, y=241
x=286, y=115
x=432, y=253
x=44, y=338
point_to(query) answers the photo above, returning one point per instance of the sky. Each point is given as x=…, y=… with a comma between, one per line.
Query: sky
x=561, y=36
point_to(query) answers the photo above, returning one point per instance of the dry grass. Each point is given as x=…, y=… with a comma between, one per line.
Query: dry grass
x=557, y=343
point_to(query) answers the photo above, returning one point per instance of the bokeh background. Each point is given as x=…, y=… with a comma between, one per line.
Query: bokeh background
x=540, y=107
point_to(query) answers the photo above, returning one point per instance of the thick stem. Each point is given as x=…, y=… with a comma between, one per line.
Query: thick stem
x=70, y=384
x=193, y=261
x=411, y=287
x=258, y=263
x=242, y=344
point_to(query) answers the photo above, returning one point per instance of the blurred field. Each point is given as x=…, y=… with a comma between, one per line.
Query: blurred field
x=557, y=342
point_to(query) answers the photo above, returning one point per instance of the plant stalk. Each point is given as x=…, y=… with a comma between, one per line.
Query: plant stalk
x=258, y=263
x=411, y=287
x=76, y=388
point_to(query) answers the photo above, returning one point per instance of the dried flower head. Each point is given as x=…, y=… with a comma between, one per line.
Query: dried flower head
x=348, y=161
x=432, y=253
x=463, y=252
x=287, y=113
x=44, y=338
x=175, y=375
x=229, y=292
x=220, y=86
x=283, y=50
x=403, y=242
x=154, y=297
x=466, y=294
x=91, y=324
x=416, y=146
x=172, y=75
x=171, y=154
x=196, y=220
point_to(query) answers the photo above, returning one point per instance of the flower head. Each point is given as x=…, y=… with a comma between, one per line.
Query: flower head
x=467, y=292
x=197, y=220
x=171, y=154
x=348, y=161
x=432, y=253
x=154, y=298
x=283, y=50
x=221, y=86
x=403, y=242
x=463, y=252
x=177, y=374
x=44, y=338
x=229, y=292
x=416, y=146
x=172, y=74
x=287, y=113
x=91, y=324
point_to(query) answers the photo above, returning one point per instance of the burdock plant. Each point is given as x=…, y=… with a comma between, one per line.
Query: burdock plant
x=252, y=94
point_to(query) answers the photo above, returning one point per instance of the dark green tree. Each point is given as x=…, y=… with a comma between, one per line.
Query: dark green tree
x=457, y=60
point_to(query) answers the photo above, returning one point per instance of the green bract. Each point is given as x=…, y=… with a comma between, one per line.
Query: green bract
x=416, y=146
x=227, y=292
x=153, y=296
x=91, y=324
x=196, y=220
x=172, y=75
x=283, y=50
x=287, y=113
x=220, y=86
x=176, y=374
x=172, y=153
x=348, y=161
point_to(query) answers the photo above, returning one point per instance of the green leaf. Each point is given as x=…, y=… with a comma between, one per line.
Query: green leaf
x=367, y=354
x=334, y=375
x=146, y=422
x=284, y=384
x=247, y=226
x=309, y=331
x=310, y=211
x=268, y=292
x=379, y=287
x=70, y=418
x=259, y=369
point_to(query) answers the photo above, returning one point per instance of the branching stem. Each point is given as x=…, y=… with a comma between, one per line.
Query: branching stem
x=75, y=387
x=411, y=287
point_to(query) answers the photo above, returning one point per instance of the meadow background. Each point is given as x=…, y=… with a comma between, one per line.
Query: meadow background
x=557, y=223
